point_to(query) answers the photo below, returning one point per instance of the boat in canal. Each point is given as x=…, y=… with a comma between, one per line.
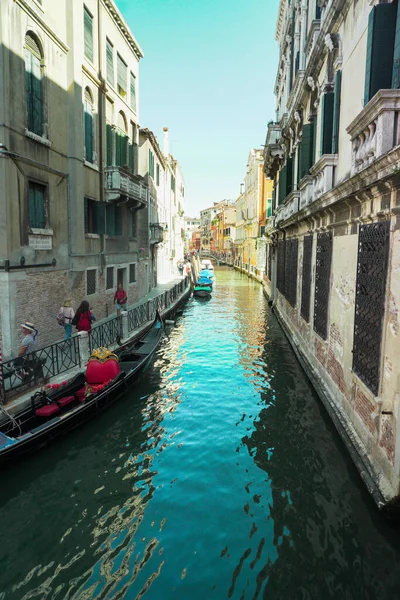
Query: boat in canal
x=58, y=408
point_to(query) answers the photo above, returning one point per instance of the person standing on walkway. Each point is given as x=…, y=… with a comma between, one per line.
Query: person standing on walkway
x=83, y=317
x=28, y=345
x=120, y=299
x=65, y=316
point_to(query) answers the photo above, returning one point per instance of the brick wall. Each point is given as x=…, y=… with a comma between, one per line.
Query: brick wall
x=364, y=409
x=387, y=439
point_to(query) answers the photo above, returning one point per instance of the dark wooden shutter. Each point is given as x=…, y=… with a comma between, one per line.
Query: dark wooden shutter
x=86, y=214
x=33, y=86
x=336, y=113
x=110, y=214
x=130, y=157
x=88, y=133
x=396, y=53
x=282, y=185
x=118, y=220
x=36, y=199
x=109, y=137
x=110, y=62
x=28, y=90
x=289, y=175
x=380, y=49
x=327, y=123
x=133, y=92
x=98, y=217
x=88, y=34
x=306, y=150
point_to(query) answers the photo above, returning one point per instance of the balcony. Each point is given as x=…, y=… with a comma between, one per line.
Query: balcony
x=122, y=186
x=273, y=151
x=289, y=208
x=375, y=131
x=323, y=175
x=157, y=232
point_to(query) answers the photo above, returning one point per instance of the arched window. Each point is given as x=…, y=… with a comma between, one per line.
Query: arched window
x=122, y=141
x=33, y=83
x=89, y=126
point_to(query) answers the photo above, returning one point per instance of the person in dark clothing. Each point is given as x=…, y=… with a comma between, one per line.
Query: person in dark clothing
x=83, y=317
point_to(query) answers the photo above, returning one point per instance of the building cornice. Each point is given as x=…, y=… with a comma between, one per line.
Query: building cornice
x=154, y=142
x=123, y=27
x=42, y=24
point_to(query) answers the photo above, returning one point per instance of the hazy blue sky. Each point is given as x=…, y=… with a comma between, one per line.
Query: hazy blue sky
x=208, y=74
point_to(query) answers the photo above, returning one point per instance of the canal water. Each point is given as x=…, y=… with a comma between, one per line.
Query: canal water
x=218, y=476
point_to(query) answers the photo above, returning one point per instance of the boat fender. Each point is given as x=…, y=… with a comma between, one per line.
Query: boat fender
x=169, y=322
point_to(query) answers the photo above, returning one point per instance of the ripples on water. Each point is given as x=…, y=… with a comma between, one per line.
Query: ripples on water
x=219, y=476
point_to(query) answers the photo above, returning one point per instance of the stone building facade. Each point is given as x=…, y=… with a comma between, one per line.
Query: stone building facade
x=74, y=208
x=333, y=258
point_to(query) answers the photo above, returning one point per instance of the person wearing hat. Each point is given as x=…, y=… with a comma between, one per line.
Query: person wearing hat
x=28, y=345
x=65, y=316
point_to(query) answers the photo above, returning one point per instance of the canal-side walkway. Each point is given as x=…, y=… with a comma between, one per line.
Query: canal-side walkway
x=64, y=359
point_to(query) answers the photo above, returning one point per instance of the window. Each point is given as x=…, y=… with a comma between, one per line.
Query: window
x=121, y=141
x=91, y=280
x=37, y=203
x=133, y=224
x=172, y=183
x=110, y=278
x=336, y=112
x=89, y=126
x=33, y=85
x=114, y=219
x=88, y=33
x=110, y=62
x=158, y=175
x=327, y=105
x=121, y=76
x=133, y=92
x=132, y=273
x=151, y=164
x=109, y=145
x=94, y=216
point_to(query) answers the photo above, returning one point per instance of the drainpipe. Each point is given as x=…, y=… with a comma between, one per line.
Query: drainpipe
x=102, y=90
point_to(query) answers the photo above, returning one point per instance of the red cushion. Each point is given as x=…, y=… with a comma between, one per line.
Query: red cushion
x=98, y=372
x=66, y=400
x=48, y=411
x=81, y=394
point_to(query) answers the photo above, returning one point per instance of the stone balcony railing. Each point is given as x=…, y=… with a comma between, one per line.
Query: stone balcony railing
x=323, y=175
x=289, y=208
x=376, y=130
x=157, y=233
x=120, y=182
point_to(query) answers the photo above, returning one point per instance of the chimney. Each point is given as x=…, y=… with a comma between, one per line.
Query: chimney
x=166, y=144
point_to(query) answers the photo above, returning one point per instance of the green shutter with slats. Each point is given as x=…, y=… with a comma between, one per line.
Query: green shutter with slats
x=86, y=214
x=282, y=185
x=98, y=217
x=133, y=92
x=88, y=33
x=306, y=150
x=110, y=62
x=37, y=121
x=289, y=175
x=130, y=157
x=36, y=199
x=380, y=49
x=121, y=76
x=109, y=137
x=396, y=53
x=121, y=142
x=336, y=113
x=88, y=134
x=327, y=123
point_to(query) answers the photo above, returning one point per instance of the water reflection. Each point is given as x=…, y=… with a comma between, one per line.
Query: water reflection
x=219, y=476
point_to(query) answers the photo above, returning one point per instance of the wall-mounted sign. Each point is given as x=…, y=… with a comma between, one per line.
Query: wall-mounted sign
x=41, y=242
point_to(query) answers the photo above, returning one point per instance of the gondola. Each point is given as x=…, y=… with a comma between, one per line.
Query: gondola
x=56, y=410
x=202, y=291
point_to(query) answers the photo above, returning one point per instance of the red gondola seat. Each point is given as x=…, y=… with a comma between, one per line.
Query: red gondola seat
x=48, y=411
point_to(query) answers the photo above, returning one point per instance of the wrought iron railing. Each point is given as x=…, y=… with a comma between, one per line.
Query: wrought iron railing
x=106, y=334
x=137, y=316
x=29, y=370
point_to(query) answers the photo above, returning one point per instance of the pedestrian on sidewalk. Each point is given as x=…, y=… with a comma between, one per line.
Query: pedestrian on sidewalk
x=83, y=317
x=28, y=345
x=65, y=317
x=120, y=299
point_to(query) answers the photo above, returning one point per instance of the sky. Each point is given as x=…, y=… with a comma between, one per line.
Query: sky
x=208, y=73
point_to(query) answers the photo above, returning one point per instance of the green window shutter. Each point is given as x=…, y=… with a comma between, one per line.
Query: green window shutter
x=380, y=49
x=396, y=53
x=109, y=145
x=327, y=122
x=118, y=220
x=88, y=133
x=130, y=157
x=110, y=213
x=88, y=33
x=306, y=150
x=282, y=185
x=336, y=112
x=121, y=147
x=98, y=217
x=289, y=175
x=133, y=92
x=118, y=146
x=28, y=89
x=86, y=214
x=110, y=62
x=36, y=199
x=298, y=162
x=36, y=86
x=121, y=76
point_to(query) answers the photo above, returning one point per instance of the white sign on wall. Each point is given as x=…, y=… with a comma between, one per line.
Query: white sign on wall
x=41, y=242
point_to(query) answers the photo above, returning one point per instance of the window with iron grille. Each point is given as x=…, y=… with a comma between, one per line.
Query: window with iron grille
x=91, y=281
x=372, y=264
x=306, y=278
x=132, y=273
x=94, y=216
x=37, y=205
x=322, y=283
x=110, y=62
x=280, y=275
x=121, y=76
x=291, y=260
x=88, y=33
x=110, y=278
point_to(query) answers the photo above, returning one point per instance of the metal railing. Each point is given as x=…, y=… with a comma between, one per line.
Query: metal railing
x=39, y=366
x=106, y=334
x=137, y=316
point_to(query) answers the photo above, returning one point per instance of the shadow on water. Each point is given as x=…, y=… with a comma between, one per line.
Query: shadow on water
x=219, y=476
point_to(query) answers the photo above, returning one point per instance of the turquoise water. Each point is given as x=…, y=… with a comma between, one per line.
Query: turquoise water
x=218, y=476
